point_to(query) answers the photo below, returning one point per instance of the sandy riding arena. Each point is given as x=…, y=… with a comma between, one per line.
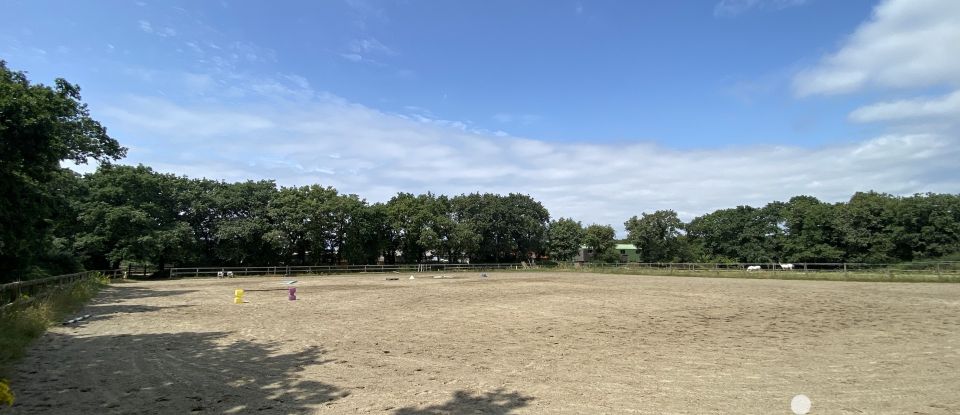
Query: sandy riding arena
x=519, y=343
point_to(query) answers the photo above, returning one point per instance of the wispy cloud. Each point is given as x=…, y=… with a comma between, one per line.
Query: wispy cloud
x=731, y=8
x=361, y=150
x=370, y=45
x=147, y=27
x=352, y=57
x=947, y=106
x=905, y=44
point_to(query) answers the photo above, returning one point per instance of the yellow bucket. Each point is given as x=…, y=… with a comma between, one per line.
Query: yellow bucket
x=237, y=300
x=238, y=293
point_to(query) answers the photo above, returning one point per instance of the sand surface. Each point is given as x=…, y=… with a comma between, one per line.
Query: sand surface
x=513, y=343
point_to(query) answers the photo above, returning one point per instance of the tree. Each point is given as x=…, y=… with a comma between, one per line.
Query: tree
x=657, y=236
x=868, y=223
x=464, y=242
x=813, y=233
x=744, y=234
x=240, y=223
x=40, y=126
x=566, y=237
x=599, y=238
x=133, y=214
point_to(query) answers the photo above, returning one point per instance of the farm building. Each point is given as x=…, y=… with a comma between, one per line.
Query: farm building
x=628, y=253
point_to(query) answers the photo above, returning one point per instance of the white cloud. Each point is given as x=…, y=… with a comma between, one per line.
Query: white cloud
x=176, y=121
x=947, y=106
x=370, y=45
x=147, y=27
x=905, y=44
x=361, y=150
x=730, y=8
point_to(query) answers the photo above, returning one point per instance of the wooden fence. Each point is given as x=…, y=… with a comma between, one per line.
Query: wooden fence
x=933, y=268
x=180, y=272
x=23, y=292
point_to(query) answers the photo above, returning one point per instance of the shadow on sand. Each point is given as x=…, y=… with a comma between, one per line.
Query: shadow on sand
x=166, y=373
x=498, y=402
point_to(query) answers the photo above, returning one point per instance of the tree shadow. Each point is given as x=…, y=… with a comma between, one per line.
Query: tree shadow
x=120, y=292
x=498, y=402
x=166, y=373
x=107, y=311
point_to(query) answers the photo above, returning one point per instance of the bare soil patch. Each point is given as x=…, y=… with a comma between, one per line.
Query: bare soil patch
x=541, y=343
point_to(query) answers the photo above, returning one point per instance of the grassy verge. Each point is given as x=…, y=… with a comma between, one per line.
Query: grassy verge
x=20, y=325
x=862, y=276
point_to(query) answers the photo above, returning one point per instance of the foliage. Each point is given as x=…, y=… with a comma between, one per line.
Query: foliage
x=54, y=220
x=20, y=325
x=599, y=238
x=609, y=256
x=6, y=395
x=566, y=236
x=40, y=126
x=657, y=236
x=132, y=213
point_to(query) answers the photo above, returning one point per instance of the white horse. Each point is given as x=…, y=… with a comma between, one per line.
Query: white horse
x=786, y=266
x=753, y=268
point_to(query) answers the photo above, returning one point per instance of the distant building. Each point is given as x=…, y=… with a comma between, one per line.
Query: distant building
x=628, y=253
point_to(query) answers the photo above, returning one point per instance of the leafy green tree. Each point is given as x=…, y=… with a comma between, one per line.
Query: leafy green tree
x=868, y=222
x=813, y=231
x=40, y=126
x=429, y=240
x=464, y=242
x=742, y=234
x=409, y=216
x=927, y=226
x=526, y=221
x=131, y=214
x=566, y=237
x=302, y=223
x=657, y=236
x=241, y=224
x=599, y=238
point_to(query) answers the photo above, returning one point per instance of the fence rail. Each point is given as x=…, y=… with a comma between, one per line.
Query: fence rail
x=938, y=268
x=338, y=269
x=22, y=292
x=943, y=271
x=935, y=267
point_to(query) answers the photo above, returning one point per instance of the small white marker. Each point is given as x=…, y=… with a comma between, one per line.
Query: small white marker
x=800, y=404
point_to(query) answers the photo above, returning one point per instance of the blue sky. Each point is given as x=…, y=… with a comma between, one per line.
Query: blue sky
x=601, y=109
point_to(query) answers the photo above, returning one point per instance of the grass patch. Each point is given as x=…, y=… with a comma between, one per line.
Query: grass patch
x=21, y=324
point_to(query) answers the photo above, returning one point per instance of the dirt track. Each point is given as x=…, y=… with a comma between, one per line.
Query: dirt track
x=511, y=343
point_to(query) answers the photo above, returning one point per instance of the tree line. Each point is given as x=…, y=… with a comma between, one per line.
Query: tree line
x=55, y=221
